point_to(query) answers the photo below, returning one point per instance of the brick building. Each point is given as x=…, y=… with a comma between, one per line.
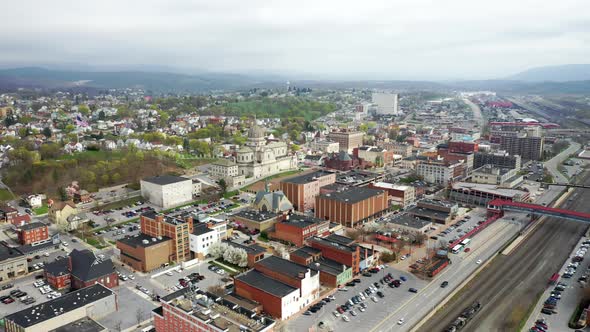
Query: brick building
x=297, y=228
x=32, y=233
x=83, y=269
x=375, y=155
x=253, y=220
x=352, y=206
x=332, y=273
x=399, y=195
x=347, y=140
x=158, y=225
x=254, y=252
x=281, y=286
x=301, y=190
x=342, y=253
x=145, y=253
x=342, y=161
x=199, y=311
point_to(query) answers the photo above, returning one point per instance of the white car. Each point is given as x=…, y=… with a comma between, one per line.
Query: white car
x=336, y=314
x=65, y=244
x=478, y=262
x=220, y=272
x=400, y=322
x=46, y=254
x=345, y=318
x=169, y=273
x=131, y=277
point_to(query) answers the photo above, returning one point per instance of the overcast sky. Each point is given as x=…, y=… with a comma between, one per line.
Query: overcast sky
x=370, y=39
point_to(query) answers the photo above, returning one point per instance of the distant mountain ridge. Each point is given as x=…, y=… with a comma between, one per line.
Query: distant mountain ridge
x=563, y=73
x=155, y=81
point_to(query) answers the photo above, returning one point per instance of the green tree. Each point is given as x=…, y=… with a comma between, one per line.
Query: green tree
x=69, y=128
x=47, y=132
x=84, y=110
x=63, y=195
x=102, y=115
x=223, y=186
x=295, y=147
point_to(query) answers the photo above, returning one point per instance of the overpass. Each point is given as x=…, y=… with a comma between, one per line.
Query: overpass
x=498, y=206
x=569, y=185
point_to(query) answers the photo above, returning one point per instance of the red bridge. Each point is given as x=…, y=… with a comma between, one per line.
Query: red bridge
x=497, y=206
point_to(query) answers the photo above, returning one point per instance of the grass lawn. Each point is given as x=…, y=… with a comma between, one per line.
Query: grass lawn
x=5, y=195
x=259, y=185
x=93, y=155
x=41, y=210
x=95, y=243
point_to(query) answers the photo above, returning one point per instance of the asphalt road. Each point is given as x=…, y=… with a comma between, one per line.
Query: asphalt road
x=513, y=283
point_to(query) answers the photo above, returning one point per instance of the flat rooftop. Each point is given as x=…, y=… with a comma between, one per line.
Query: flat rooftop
x=266, y=284
x=255, y=215
x=253, y=249
x=227, y=313
x=163, y=180
x=302, y=221
x=429, y=213
x=85, y=324
x=409, y=221
x=143, y=240
x=33, y=225
x=333, y=244
x=306, y=252
x=387, y=185
x=284, y=266
x=352, y=195
x=328, y=266
x=307, y=178
x=488, y=188
x=66, y=303
x=356, y=177
x=9, y=252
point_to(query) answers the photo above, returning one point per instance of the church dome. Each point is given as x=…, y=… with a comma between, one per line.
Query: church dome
x=256, y=132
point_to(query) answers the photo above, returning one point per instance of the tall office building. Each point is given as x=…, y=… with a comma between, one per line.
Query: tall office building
x=347, y=140
x=386, y=103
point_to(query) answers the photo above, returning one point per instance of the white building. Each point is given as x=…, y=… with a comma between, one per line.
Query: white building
x=325, y=146
x=386, y=103
x=167, y=190
x=35, y=201
x=197, y=187
x=258, y=159
x=204, y=235
x=439, y=172
x=223, y=168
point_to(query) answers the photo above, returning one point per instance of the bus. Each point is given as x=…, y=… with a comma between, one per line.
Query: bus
x=457, y=249
x=465, y=242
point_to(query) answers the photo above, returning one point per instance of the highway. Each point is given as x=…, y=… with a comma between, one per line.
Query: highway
x=510, y=285
x=552, y=164
x=477, y=116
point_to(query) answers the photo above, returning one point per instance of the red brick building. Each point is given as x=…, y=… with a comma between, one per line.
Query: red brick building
x=338, y=251
x=297, y=228
x=463, y=147
x=185, y=311
x=254, y=252
x=11, y=216
x=32, y=233
x=83, y=269
x=282, y=287
x=342, y=161
x=159, y=225
x=301, y=190
x=352, y=206
x=57, y=274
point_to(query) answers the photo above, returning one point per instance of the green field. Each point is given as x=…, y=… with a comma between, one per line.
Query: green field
x=41, y=210
x=5, y=195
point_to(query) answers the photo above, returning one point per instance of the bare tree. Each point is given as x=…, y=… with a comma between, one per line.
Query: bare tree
x=218, y=290
x=118, y=326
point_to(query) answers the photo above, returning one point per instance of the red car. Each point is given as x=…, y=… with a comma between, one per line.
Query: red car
x=8, y=300
x=467, y=249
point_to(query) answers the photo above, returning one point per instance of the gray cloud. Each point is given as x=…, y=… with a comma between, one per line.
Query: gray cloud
x=377, y=39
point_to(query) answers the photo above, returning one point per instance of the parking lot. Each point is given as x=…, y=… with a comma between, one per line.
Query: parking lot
x=567, y=292
x=463, y=225
x=375, y=311
x=102, y=217
x=169, y=281
x=209, y=208
x=27, y=286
